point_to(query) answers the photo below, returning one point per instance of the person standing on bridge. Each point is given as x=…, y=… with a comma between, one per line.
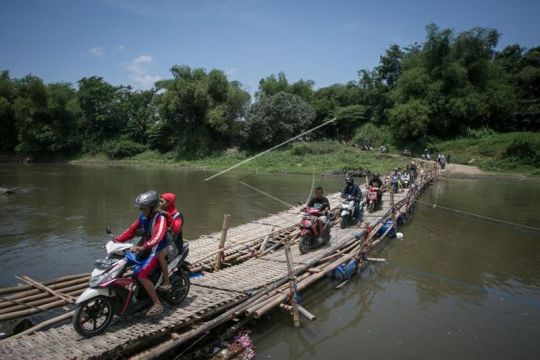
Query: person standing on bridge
x=154, y=226
x=175, y=221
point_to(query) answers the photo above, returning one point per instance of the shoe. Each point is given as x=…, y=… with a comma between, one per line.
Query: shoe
x=164, y=288
x=155, y=310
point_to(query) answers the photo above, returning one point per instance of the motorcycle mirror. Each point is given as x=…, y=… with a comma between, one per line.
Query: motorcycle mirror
x=108, y=230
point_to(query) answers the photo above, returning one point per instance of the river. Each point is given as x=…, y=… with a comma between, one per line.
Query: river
x=456, y=286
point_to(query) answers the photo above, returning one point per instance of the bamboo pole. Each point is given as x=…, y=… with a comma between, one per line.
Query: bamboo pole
x=31, y=310
x=266, y=239
x=20, y=305
x=392, y=209
x=292, y=286
x=224, y=229
x=44, y=324
x=35, y=291
x=19, y=288
x=69, y=299
x=5, y=301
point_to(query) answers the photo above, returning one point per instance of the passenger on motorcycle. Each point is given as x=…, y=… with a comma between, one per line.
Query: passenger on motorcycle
x=153, y=225
x=175, y=220
x=320, y=202
x=378, y=183
x=352, y=190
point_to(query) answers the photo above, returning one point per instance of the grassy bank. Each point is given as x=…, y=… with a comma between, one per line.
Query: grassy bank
x=320, y=157
x=514, y=153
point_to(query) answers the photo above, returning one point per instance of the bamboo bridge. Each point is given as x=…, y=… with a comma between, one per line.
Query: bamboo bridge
x=253, y=272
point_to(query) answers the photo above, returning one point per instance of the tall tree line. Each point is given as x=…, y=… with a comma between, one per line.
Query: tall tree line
x=447, y=85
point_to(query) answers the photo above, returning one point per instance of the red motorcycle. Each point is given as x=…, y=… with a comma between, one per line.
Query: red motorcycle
x=313, y=231
x=372, y=199
x=111, y=293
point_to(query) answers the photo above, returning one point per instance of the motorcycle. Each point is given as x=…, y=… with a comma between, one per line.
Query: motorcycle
x=394, y=183
x=405, y=181
x=372, y=199
x=313, y=232
x=347, y=211
x=111, y=293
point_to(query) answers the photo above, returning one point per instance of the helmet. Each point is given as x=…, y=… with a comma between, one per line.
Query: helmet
x=147, y=199
x=376, y=175
x=349, y=180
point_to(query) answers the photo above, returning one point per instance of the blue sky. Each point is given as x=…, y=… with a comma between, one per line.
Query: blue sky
x=136, y=42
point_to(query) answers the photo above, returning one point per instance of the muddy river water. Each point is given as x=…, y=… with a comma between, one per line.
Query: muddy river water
x=456, y=286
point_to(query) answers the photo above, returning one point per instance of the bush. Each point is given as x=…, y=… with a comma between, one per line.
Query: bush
x=522, y=150
x=315, y=148
x=122, y=148
x=371, y=135
x=478, y=133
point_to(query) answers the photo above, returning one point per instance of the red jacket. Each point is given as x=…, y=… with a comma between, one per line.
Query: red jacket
x=174, y=223
x=158, y=231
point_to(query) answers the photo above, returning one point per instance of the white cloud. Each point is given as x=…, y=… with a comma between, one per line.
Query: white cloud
x=96, y=51
x=120, y=48
x=139, y=72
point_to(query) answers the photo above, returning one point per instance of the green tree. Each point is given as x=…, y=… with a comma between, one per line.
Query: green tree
x=201, y=109
x=46, y=118
x=102, y=108
x=276, y=118
x=8, y=129
x=409, y=121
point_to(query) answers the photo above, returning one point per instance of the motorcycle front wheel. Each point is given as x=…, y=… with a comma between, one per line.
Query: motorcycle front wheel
x=304, y=244
x=93, y=316
x=371, y=207
x=179, y=288
x=344, y=222
x=326, y=236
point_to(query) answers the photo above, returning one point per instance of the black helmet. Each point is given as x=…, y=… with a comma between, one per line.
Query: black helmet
x=349, y=179
x=147, y=199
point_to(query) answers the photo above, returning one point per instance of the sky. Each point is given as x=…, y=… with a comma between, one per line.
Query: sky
x=135, y=42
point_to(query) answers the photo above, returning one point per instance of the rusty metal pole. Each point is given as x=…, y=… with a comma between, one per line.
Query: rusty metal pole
x=224, y=229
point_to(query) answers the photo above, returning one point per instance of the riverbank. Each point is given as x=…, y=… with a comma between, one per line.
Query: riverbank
x=324, y=157
x=516, y=153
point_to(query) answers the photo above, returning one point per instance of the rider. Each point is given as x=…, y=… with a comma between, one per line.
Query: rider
x=394, y=180
x=377, y=183
x=414, y=172
x=405, y=178
x=352, y=190
x=175, y=220
x=320, y=202
x=154, y=225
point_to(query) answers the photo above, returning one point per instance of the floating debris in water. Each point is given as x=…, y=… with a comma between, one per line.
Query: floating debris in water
x=241, y=348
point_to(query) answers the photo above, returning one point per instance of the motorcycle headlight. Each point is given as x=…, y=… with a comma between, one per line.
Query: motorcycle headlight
x=109, y=274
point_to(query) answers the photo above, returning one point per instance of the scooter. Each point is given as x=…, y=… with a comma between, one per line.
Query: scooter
x=313, y=232
x=405, y=182
x=347, y=211
x=111, y=293
x=372, y=200
x=394, y=183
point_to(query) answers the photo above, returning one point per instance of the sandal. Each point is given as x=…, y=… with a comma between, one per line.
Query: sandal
x=165, y=288
x=155, y=310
